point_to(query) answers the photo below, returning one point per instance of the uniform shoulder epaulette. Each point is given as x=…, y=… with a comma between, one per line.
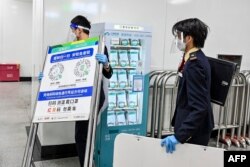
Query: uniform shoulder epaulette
x=193, y=56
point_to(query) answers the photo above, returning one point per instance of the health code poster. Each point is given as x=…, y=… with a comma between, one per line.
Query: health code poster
x=66, y=88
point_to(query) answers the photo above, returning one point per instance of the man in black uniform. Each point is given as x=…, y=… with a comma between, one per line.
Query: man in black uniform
x=193, y=119
x=80, y=27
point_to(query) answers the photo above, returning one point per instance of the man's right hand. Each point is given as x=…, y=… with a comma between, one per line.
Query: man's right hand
x=40, y=76
x=169, y=142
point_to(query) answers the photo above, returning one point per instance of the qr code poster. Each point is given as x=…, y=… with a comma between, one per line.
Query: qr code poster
x=66, y=89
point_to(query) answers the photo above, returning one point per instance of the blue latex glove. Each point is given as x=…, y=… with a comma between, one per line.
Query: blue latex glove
x=40, y=76
x=102, y=58
x=169, y=142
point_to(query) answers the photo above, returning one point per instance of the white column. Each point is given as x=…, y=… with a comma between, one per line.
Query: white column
x=1, y=29
x=37, y=47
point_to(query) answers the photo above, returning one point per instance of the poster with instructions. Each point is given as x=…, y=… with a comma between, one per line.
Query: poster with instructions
x=66, y=89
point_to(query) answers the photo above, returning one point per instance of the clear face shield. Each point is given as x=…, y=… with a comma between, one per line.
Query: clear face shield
x=178, y=43
x=72, y=36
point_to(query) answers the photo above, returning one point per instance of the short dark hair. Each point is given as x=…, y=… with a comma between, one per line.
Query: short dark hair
x=193, y=27
x=82, y=21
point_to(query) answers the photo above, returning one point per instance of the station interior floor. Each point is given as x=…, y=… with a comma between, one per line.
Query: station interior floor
x=15, y=108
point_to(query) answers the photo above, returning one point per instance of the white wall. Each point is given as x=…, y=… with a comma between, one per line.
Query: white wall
x=227, y=20
x=1, y=30
x=15, y=33
x=150, y=13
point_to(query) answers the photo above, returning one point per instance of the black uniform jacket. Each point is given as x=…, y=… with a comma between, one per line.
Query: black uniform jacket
x=193, y=114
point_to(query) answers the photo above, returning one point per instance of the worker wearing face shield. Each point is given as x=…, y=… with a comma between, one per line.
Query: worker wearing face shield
x=77, y=32
x=80, y=28
x=193, y=118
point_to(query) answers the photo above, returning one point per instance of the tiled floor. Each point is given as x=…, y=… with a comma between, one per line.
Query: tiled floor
x=15, y=98
x=14, y=108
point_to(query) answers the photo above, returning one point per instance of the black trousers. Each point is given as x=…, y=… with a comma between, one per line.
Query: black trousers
x=81, y=132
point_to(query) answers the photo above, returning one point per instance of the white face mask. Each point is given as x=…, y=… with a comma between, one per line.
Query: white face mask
x=181, y=45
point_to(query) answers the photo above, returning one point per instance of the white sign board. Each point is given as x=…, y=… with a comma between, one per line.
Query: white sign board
x=66, y=89
x=138, y=151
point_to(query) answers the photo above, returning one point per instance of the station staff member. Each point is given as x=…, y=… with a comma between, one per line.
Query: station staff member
x=193, y=119
x=80, y=27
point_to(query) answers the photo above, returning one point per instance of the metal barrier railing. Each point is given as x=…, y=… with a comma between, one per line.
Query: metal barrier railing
x=233, y=118
x=236, y=111
x=154, y=77
x=247, y=108
x=164, y=87
x=159, y=84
